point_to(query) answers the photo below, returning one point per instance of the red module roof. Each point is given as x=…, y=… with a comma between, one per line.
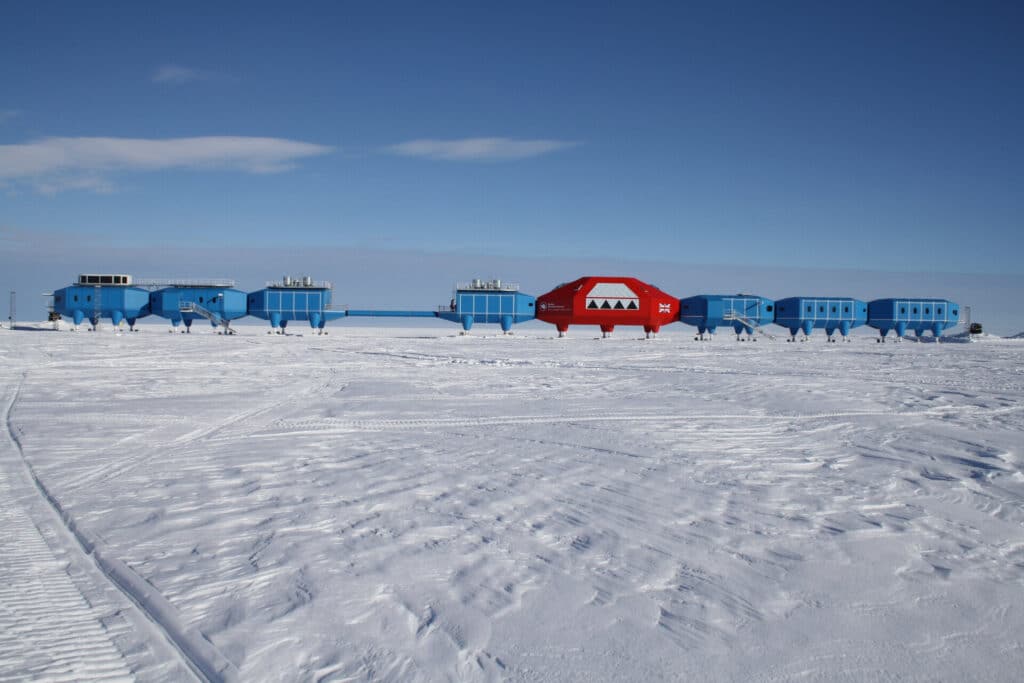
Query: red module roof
x=607, y=301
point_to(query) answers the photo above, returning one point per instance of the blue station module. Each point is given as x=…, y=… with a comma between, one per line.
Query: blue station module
x=745, y=312
x=187, y=301
x=917, y=315
x=489, y=301
x=828, y=313
x=293, y=298
x=94, y=297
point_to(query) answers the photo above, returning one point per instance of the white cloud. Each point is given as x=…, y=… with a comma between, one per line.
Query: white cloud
x=53, y=164
x=477, y=149
x=53, y=186
x=176, y=75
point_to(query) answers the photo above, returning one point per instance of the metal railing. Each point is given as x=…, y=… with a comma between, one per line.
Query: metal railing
x=171, y=282
x=215, y=318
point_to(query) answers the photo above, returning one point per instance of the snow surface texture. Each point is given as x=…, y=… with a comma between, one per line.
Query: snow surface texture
x=412, y=505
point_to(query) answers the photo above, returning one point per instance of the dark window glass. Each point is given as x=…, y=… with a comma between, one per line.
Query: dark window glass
x=808, y=309
x=833, y=309
x=106, y=280
x=903, y=309
x=821, y=309
x=954, y=312
x=915, y=309
x=88, y=298
x=76, y=297
x=768, y=308
x=846, y=309
x=200, y=299
x=939, y=311
x=927, y=311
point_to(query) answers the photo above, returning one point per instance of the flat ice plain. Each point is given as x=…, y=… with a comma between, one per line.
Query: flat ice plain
x=412, y=505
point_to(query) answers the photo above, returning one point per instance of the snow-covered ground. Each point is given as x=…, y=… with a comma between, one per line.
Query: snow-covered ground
x=407, y=504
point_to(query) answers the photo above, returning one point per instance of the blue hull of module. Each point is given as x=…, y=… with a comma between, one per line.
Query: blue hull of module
x=916, y=315
x=743, y=312
x=222, y=304
x=118, y=303
x=281, y=304
x=504, y=307
x=831, y=314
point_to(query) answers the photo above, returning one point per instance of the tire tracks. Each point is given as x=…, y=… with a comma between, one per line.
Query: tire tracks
x=58, y=605
x=325, y=425
x=118, y=468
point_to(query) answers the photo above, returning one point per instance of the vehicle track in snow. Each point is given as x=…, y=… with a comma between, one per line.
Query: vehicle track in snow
x=327, y=425
x=49, y=629
x=119, y=467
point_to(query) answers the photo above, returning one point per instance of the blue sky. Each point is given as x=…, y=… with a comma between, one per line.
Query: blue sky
x=870, y=135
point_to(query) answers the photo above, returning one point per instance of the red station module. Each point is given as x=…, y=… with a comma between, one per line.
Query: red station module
x=607, y=301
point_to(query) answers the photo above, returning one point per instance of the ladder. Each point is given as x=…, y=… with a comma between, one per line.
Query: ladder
x=193, y=307
x=97, y=300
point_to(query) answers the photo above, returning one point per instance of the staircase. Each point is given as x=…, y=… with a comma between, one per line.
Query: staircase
x=749, y=322
x=193, y=307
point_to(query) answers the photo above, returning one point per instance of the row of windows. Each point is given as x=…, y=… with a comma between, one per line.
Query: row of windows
x=821, y=309
x=915, y=310
x=927, y=310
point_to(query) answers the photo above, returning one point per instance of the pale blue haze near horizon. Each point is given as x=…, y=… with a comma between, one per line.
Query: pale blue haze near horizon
x=698, y=144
